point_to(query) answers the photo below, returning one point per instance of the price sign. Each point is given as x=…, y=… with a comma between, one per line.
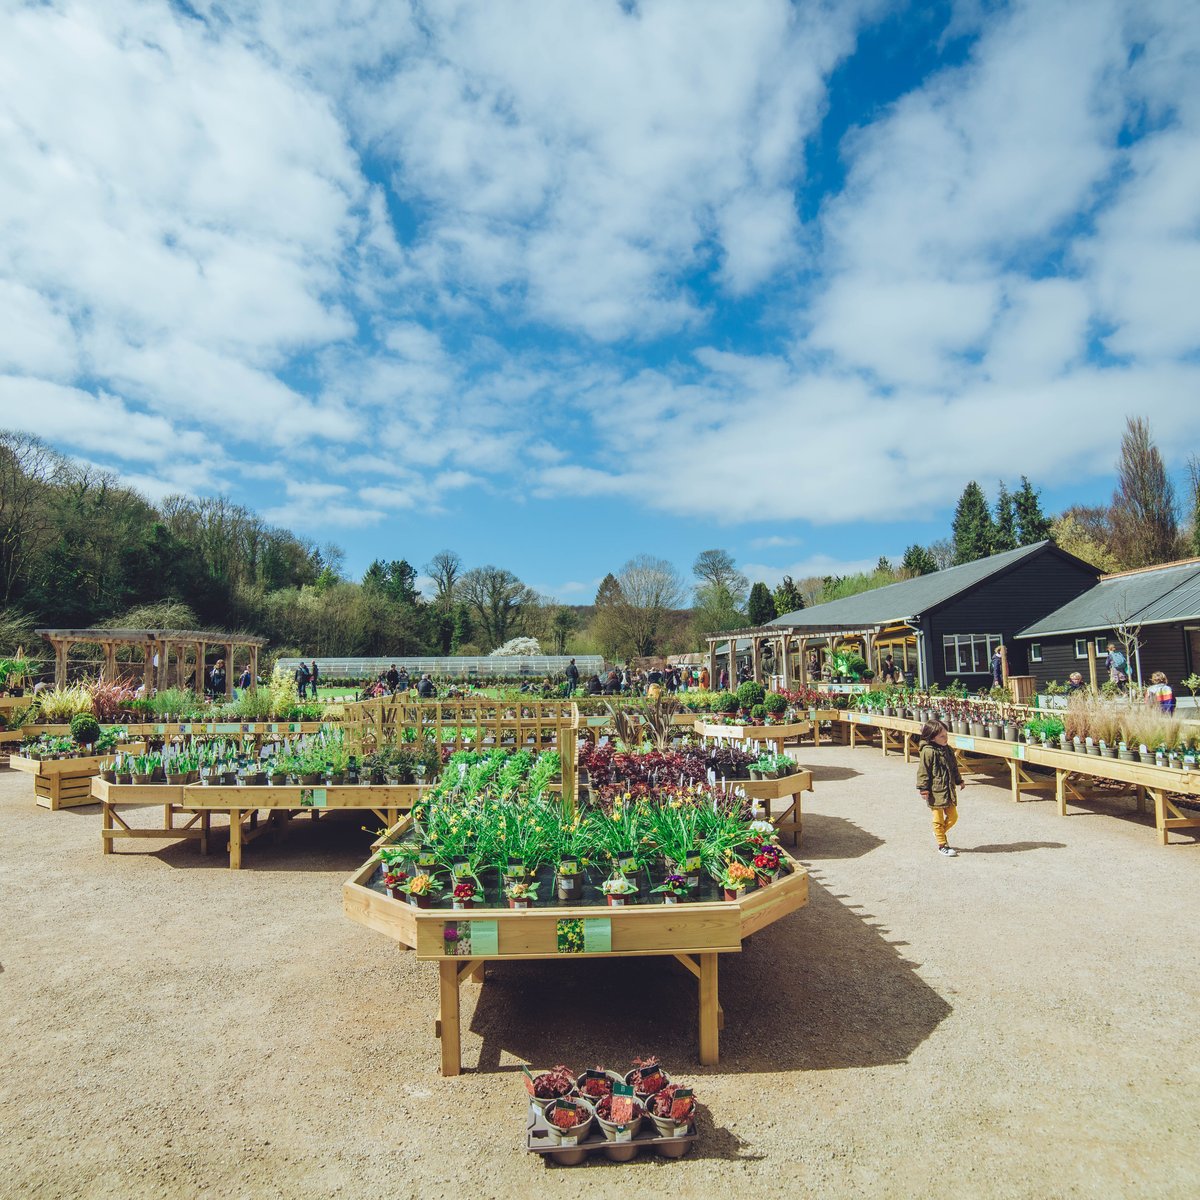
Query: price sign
x=622, y=1103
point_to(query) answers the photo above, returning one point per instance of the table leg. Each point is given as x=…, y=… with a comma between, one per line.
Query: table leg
x=451, y=1044
x=235, y=839
x=1060, y=790
x=205, y=828
x=1014, y=779
x=1160, y=815
x=709, y=1035
x=106, y=825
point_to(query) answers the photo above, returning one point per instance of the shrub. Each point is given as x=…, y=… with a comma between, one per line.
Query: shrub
x=758, y=712
x=60, y=704
x=751, y=693
x=284, y=696
x=774, y=703
x=724, y=702
x=85, y=729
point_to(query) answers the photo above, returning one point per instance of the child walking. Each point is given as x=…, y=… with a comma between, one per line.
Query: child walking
x=938, y=781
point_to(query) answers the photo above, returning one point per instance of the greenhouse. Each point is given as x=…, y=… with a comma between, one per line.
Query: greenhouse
x=482, y=667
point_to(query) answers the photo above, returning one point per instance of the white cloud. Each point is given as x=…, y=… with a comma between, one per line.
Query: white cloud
x=773, y=541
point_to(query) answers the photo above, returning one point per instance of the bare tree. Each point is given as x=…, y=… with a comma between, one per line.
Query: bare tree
x=1128, y=633
x=637, y=621
x=27, y=467
x=498, y=601
x=445, y=569
x=1145, y=528
x=719, y=577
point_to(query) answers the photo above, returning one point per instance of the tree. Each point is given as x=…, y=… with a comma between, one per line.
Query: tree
x=1004, y=536
x=715, y=569
x=1032, y=524
x=498, y=601
x=445, y=569
x=563, y=622
x=973, y=529
x=942, y=553
x=1145, y=529
x=1194, y=501
x=464, y=628
x=637, y=622
x=918, y=561
x=1085, y=531
x=761, y=605
x=788, y=598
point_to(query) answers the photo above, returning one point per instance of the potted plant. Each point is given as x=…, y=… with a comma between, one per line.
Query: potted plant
x=758, y=714
x=568, y=1122
x=619, y=1131
x=673, y=889
x=464, y=894
x=767, y=863
x=394, y=881
x=85, y=729
x=545, y=1087
x=672, y=1109
x=647, y=1077
x=420, y=889
x=735, y=879
x=775, y=705
x=597, y=1083
x=568, y=880
x=618, y=890
x=521, y=893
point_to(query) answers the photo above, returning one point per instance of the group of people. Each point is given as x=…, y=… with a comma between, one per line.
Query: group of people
x=395, y=680
x=308, y=679
x=217, y=679
x=628, y=681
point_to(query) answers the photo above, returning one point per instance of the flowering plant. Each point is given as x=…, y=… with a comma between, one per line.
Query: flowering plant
x=521, y=889
x=394, y=879
x=419, y=885
x=767, y=859
x=618, y=885
x=677, y=885
x=737, y=877
x=465, y=890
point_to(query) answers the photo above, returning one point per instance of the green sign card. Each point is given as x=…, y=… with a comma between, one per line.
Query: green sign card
x=485, y=938
x=597, y=935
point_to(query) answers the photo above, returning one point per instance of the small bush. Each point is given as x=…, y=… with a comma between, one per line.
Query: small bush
x=751, y=693
x=774, y=703
x=85, y=729
x=724, y=702
x=758, y=712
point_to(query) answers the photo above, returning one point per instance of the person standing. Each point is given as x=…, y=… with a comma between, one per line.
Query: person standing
x=314, y=677
x=998, y=667
x=1159, y=693
x=938, y=781
x=889, y=672
x=302, y=680
x=572, y=675
x=425, y=687
x=217, y=679
x=1118, y=666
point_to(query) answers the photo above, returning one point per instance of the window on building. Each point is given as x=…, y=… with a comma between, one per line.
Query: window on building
x=969, y=653
x=1102, y=646
x=1081, y=647
x=1035, y=651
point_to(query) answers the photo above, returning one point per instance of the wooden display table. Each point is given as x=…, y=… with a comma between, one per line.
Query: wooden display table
x=66, y=782
x=776, y=735
x=785, y=787
x=242, y=805
x=693, y=933
x=1146, y=782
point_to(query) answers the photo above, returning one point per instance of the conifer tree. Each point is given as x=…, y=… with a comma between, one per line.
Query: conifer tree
x=788, y=597
x=1005, y=536
x=973, y=528
x=918, y=561
x=1032, y=524
x=761, y=607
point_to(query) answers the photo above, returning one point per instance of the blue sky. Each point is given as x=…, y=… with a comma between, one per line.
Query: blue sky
x=553, y=285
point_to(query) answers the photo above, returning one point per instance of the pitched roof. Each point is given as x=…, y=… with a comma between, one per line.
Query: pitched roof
x=1155, y=596
x=910, y=597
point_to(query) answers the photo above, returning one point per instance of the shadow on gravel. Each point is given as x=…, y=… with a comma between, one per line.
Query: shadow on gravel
x=1012, y=847
x=823, y=989
x=837, y=837
x=832, y=774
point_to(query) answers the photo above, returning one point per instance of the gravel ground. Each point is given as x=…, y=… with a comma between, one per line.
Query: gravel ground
x=1016, y=1022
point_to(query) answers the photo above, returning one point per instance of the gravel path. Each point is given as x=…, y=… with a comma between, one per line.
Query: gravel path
x=1016, y=1022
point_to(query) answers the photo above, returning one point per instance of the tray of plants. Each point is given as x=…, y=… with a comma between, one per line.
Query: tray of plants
x=572, y=1116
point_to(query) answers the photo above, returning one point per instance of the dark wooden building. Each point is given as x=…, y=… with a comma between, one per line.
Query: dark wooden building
x=1156, y=610
x=942, y=627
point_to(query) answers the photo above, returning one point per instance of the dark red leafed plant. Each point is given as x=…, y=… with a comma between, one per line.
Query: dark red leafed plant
x=647, y=1076
x=564, y=1118
x=663, y=1101
x=550, y=1085
x=596, y=1086
x=604, y=1108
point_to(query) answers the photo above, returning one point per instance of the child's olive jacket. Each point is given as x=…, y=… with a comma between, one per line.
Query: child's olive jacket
x=938, y=775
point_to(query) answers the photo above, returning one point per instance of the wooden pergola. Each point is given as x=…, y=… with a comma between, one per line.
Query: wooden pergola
x=780, y=642
x=158, y=646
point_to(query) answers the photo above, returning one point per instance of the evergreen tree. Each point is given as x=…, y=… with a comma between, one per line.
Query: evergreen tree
x=1032, y=524
x=973, y=528
x=1194, y=488
x=609, y=591
x=1005, y=536
x=788, y=597
x=761, y=606
x=918, y=561
x=464, y=629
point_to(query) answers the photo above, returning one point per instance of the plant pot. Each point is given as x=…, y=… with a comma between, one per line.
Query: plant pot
x=176, y=780
x=732, y=893
x=109, y=776
x=337, y=778
x=621, y=901
x=1094, y=751
x=397, y=894
x=994, y=732
x=612, y=1078
x=645, y=1096
x=1146, y=757
x=142, y=780
x=278, y=780
x=463, y=904
x=569, y=887
x=1010, y=733
x=1110, y=752
x=666, y=1126
x=255, y=779
x=670, y=898
x=1126, y=756
x=977, y=730
x=580, y=1131
x=623, y=1150
x=420, y=901
x=312, y=779
x=520, y=903
x=1067, y=745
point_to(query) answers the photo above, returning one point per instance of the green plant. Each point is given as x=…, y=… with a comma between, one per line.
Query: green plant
x=758, y=712
x=60, y=704
x=724, y=702
x=85, y=729
x=1054, y=688
x=775, y=704
x=750, y=693
x=1192, y=683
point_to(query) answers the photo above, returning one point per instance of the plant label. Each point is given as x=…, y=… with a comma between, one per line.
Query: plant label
x=485, y=938
x=681, y=1108
x=691, y=860
x=681, y=1130
x=617, y=901
x=626, y=864
x=597, y=935
x=426, y=857
x=459, y=867
x=566, y=883
x=622, y=1134
x=622, y=1104
x=568, y=866
x=652, y=1080
x=568, y=1139
x=516, y=869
